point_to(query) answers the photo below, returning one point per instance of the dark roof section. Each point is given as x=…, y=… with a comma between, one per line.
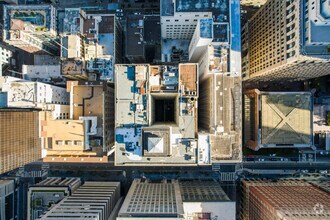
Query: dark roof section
x=106, y=26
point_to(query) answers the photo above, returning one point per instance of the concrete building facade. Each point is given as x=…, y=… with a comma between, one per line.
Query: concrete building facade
x=20, y=138
x=287, y=40
x=6, y=57
x=48, y=193
x=7, y=200
x=92, y=200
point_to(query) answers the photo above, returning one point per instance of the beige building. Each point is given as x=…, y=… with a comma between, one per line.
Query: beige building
x=277, y=119
x=86, y=133
x=20, y=139
x=287, y=40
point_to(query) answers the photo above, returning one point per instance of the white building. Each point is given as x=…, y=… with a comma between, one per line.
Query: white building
x=5, y=57
x=43, y=73
x=27, y=94
x=93, y=200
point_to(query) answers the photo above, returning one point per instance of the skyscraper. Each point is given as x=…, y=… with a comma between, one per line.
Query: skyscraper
x=287, y=40
x=278, y=119
x=20, y=140
x=31, y=28
x=285, y=200
x=7, y=200
x=93, y=200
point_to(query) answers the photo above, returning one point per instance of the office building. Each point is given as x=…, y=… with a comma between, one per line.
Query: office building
x=278, y=119
x=86, y=132
x=205, y=199
x=20, y=93
x=284, y=199
x=72, y=46
x=6, y=58
x=20, y=138
x=219, y=116
x=173, y=199
x=8, y=209
x=156, y=114
x=143, y=38
x=287, y=41
x=218, y=55
x=50, y=74
x=31, y=28
x=214, y=33
x=181, y=20
x=92, y=200
x=91, y=44
x=73, y=21
x=152, y=200
x=48, y=193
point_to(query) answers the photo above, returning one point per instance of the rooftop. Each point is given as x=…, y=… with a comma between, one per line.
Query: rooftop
x=286, y=118
x=202, y=191
x=150, y=106
x=72, y=20
x=39, y=17
x=219, y=8
x=152, y=199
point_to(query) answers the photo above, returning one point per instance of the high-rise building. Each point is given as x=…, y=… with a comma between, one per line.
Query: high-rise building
x=86, y=132
x=20, y=138
x=8, y=208
x=173, y=199
x=31, y=28
x=143, y=38
x=179, y=18
x=20, y=93
x=48, y=193
x=44, y=73
x=92, y=200
x=156, y=114
x=205, y=199
x=287, y=40
x=215, y=46
x=284, y=199
x=92, y=39
x=152, y=200
x=278, y=119
x=6, y=57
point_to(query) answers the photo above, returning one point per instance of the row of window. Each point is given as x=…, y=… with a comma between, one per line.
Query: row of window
x=69, y=142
